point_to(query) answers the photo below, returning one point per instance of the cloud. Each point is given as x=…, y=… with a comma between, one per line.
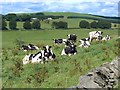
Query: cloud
x=64, y=1
x=101, y=8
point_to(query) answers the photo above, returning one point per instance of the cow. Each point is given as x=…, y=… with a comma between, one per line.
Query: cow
x=48, y=53
x=69, y=50
x=106, y=38
x=72, y=37
x=59, y=41
x=33, y=47
x=29, y=47
x=24, y=48
x=84, y=42
x=95, y=35
x=41, y=56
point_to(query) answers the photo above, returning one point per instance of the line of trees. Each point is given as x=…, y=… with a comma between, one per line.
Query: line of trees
x=27, y=17
x=26, y=25
x=56, y=25
x=103, y=24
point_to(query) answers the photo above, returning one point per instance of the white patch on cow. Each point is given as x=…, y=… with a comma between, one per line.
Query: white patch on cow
x=63, y=52
x=69, y=54
x=36, y=58
x=88, y=43
x=37, y=48
x=25, y=50
x=68, y=35
x=26, y=59
x=64, y=40
x=47, y=47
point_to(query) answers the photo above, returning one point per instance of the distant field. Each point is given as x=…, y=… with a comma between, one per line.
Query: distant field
x=46, y=36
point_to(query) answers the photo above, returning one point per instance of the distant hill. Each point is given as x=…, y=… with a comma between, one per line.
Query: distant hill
x=76, y=15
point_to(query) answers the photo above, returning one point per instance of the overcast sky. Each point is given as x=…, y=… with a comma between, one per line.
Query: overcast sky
x=96, y=7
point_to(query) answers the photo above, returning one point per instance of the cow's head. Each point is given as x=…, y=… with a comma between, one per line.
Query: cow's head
x=47, y=50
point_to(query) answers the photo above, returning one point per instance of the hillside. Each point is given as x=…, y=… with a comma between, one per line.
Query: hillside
x=74, y=15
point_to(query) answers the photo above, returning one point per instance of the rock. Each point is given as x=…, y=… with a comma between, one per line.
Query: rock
x=103, y=77
x=87, y=82
x=101, y=82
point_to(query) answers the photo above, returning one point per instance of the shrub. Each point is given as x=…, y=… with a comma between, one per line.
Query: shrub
x=12, y=24
x=84, y=24
x=59, y=24
x=27, y=25
x=3, y=25
x=104, y=24
x=36, y=24
x=94, y=24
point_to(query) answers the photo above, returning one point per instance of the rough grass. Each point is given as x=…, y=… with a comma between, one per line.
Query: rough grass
x=64, y=71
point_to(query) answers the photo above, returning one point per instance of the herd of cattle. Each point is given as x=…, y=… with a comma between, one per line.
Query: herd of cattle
x=70, y=47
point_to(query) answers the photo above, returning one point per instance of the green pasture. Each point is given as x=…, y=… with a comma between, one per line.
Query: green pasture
x=64, y=71
x=46, y=36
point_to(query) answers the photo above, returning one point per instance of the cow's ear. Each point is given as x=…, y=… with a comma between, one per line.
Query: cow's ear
x=50, y=46
x=101, y=32
x=75, y=45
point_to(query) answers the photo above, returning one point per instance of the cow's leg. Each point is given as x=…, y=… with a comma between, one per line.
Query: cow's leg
x=63, y=52
x=69, y=54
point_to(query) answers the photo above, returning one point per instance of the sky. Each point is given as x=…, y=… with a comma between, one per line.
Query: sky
x=96, y=7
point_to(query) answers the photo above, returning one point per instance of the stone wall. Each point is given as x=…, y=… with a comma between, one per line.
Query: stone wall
x=105, y=76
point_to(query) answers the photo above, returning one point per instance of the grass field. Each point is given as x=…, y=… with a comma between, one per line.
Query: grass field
x=64, y=71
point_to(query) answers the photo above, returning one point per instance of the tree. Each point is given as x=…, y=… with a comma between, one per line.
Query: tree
x=27, y=25
x=12, y=24
x=59, y=24
x=115, y=25
x=36, y=24
x=84, y=24
x=11, y=16
x=3, y=25
x=104, y=24
x=24, y=17
x=94, y=24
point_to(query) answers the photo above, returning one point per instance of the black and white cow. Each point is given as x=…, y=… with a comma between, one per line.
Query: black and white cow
x=29, y=47
x=106, y=38
x=59, y=41
x=95, y=35
x=85, y=42
x=33, y=47
x=48, y=53
x=72, y=37
x=33, y=58
x=69, y=50
x=25, y=48
x=41, y=56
